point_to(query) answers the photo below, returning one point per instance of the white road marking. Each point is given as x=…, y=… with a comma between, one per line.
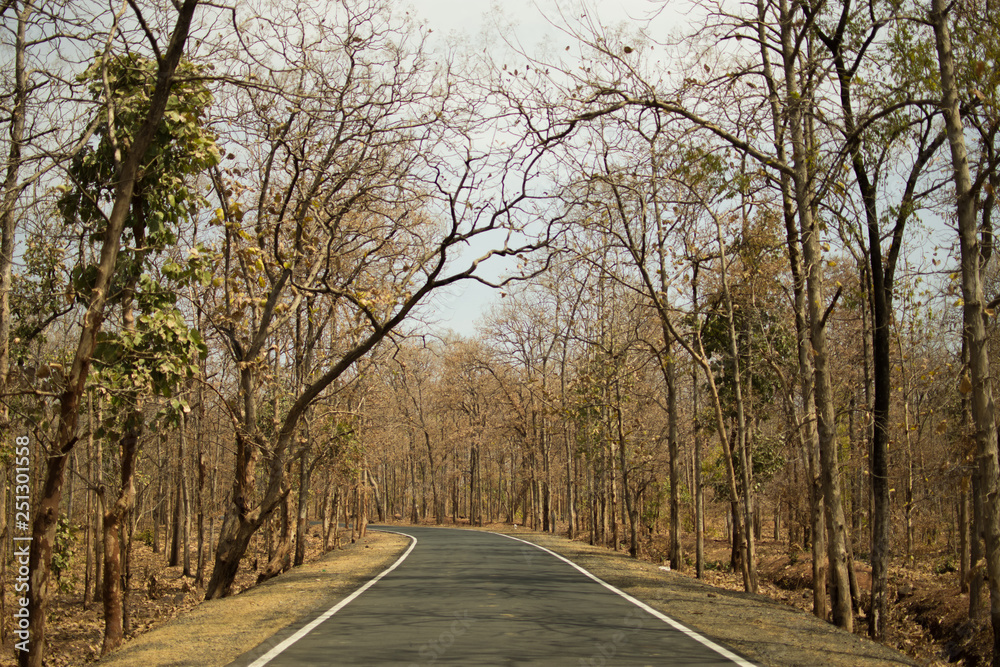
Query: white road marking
x=705, y=641
x=277, y=650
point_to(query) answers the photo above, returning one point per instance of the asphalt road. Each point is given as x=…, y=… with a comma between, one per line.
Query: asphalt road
x=473, y=598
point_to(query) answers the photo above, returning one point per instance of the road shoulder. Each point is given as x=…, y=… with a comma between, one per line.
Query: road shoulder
x=767, y=632
x=215, y=632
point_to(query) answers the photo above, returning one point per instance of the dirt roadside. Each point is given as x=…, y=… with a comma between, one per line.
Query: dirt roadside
x=767, y=632
x=214, y=633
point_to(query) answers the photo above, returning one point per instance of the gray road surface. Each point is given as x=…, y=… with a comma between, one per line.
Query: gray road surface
x=473, y=598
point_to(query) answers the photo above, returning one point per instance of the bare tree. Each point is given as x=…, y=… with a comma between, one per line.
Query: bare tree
x=335, y=191
x=974, y=307
x=617, y=81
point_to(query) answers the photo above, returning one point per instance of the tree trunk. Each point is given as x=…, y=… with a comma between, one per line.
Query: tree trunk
x=74, y=472
x=795, y=195
x=822, y=384
x=983, y=416
x=99, y=513
x=125, y=539
x=325, y=514
x=699, y=494
x=414, y=516
x=11, y=192
x=977, y=571
x=158, y=502
x=200, y=574
x=908, y=480
x=361, y=511
x=475, y=511
x=817, y=531
x=302, y=516
x=742, y=436
x=6, y=557
x=829, y=465
x=338, y=500
x=185, y=500
x=613, y=482
x=281, y=560
x=882, y=367
x=630, y=512
x=963, y=536
x=856, y=469
x=114, y=519
x=438, y=506
x=571, y=528
x=673, y=452
x=175, y=522
x=234, y=538
x=238, y=524
x=881, y=306
x=379, y=505
x=91, y=537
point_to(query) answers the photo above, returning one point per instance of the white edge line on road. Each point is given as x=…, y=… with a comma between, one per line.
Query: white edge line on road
x=306, y=629
x=705, y=641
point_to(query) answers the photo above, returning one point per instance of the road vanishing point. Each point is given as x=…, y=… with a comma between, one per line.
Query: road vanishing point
x=465, y=597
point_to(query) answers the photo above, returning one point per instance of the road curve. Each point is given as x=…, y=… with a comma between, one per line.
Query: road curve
x=475, y=598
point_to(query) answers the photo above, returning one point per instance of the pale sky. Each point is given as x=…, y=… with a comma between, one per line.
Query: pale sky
x=467, y=16
x=463, y=305
x=449, y=19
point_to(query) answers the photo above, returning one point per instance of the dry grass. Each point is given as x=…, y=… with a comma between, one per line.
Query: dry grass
x=191, y=631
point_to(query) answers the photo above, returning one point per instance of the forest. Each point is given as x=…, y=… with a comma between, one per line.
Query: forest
x=745, y=277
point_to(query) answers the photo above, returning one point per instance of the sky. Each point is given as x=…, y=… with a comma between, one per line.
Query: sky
x=462, y=306
x=468, y=17
x=459, y=308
